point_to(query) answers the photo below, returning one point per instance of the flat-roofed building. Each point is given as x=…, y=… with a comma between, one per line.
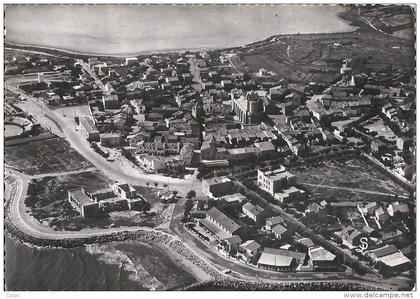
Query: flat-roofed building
x=266, y=149
x=101, y=194
x=217, y=186
x=153, y=163
x=290, y=194
x=131, y=61
x=394, y=263
x=321, y=259
x=110, y=139
x=233, y=197
x=242, y=154
x=124, y=190
x=111, y=101
x=273, y=181
x=82, y=203
x=117, y=197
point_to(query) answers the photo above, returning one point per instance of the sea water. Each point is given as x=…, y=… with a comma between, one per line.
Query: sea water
x=132, y=29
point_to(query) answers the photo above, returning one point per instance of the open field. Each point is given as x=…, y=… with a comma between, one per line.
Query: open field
x=346, y=180
x=47, y=202
x=46, y=156
x=319, y=57
x=314, y=58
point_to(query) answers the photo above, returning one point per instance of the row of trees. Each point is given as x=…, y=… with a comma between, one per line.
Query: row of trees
x=100, y=151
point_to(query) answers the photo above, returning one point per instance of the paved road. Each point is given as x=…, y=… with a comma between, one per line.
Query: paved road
x=86, y=67
x=30, y=226
x=114, y=170
x=250, y=273
x=314, y=236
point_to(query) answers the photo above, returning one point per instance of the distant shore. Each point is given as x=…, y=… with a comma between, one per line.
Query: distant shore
x=70, y=53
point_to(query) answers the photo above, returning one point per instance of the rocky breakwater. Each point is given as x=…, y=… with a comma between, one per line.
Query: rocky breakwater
x=160, y=239
x=238, y=285
x=148, y=236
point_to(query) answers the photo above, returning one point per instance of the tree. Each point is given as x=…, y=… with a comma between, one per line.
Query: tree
x=147, y=184
x=191, y=194
x=156, y=184
x=187, y=209
x=188, y=205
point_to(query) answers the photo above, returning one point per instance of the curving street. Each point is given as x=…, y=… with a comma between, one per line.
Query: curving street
x=114, y=170
x=117, y=171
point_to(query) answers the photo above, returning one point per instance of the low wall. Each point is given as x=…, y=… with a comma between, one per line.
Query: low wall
x=28, y=139
x=373, y=161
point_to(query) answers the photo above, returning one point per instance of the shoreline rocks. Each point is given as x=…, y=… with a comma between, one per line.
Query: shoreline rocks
x=238, y=285
x=219, y=281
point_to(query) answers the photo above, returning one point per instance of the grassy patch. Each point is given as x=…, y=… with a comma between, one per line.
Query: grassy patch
x=346, y=173
x=52, y=155
x=309, y=58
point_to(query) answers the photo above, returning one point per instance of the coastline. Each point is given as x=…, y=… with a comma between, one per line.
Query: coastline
x=24, y=47
x=208, y=278
x=184, y=256
x=356, y=25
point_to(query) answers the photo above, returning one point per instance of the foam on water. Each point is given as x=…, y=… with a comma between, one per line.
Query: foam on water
x=114, y=266
x=110, y=255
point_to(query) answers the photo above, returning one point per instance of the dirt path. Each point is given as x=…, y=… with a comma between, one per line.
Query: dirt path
x=61, y=173
x=354, y=190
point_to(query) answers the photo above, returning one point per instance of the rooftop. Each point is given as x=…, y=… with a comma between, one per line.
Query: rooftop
x=275, y=220
x=275, y=260
x=217, y=180
x=277, y=174
x=306, y=242
x=280, y=257
x=321, y=254
x=384, y=251
x=214, y=229
x=223, y=220
x=254, y=210
x=81, y=197
x=279, y=229
x=88, y=124
x=233, y=239
x=233, y=197
x=395, y=259
x=250, y=245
